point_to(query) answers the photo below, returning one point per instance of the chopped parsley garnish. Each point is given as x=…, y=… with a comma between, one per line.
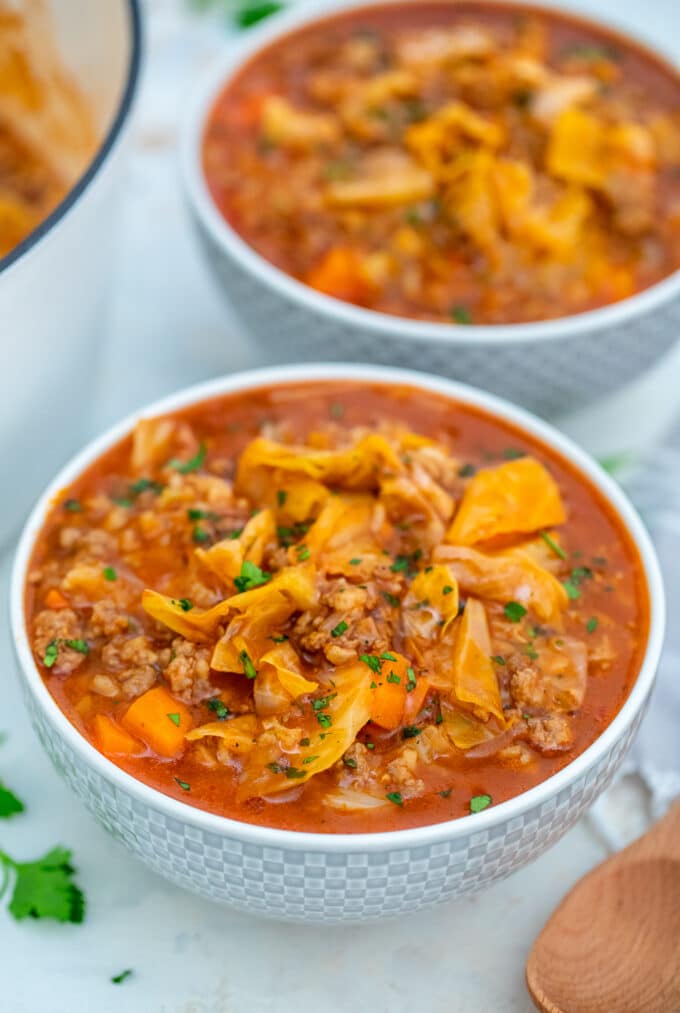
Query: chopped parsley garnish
x=193, y=464
x=394, y=797
x=514, y=611
x=498, y=658
x=405, y=564
x=292, y=773
x=323, y=701
x=118, y=979
x=309, y=759
x=184, y=785
x=369, y=745
x=479, y=802
x=552, y=544
x=251, y=576
x=110, y=573
x=531, y=652
x=410, y=680
x=338, y=630
x=466, y=471
x=576, y=578
x=386, y=656
x=355, y=561
x=337, y=410
x=279, y=640
x=81, y=646
x=219, y=708
x=349, y=761
x=325, y=720
x=248, y=667
x=145, y=485
x=461, y=314
x=274, y=767
x=410, y=731
x=446, y=793
x=391, y=599
x=302, y=553
x=305, y=742
x=202, y=515
x=73, y=505
x=372, y=660
x=44, y=888
x=281, y=496
x=184, y=603
x=591, y=625
x=447, y=590
x=51, y=653
x=175, y=718
x=200, y=535
x=9, y=803
x=393, y=677
x=288, y=535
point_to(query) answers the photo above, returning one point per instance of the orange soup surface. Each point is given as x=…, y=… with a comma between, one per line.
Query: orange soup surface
x=336, y=607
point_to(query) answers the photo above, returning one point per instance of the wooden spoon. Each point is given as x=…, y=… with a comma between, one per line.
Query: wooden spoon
x=613, y=944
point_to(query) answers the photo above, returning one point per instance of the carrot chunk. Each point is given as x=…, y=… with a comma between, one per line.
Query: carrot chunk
x=113, y=740
x=160, y=720
x=389, y=690
x=54, y=599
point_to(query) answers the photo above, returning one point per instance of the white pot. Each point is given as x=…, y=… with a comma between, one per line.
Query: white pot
x=334, y=877
x=52, y=286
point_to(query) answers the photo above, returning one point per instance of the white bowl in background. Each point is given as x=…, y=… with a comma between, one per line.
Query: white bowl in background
x=333, y=877
x=551, y=367
x=53, y=284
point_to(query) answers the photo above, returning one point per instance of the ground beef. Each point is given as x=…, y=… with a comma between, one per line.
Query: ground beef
x=369, y=622
x=188, y=671
x=106, y=620
x=105, y=685
x=401, y=773
x=137, y=661
x=527, y=685
x=549, y=735
x=57, y=626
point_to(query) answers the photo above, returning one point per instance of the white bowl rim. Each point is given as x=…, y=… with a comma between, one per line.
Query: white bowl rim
x=341, y=843
x=306, y=12
x=106, y=146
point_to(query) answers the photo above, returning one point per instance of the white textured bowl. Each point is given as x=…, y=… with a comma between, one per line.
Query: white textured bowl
x=550, y=367
x=325, y=877
x=53, y=284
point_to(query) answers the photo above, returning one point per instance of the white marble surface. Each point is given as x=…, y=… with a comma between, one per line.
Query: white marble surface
x=167, y=327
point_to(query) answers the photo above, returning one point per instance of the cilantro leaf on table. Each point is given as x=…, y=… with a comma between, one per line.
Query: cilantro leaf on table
x=44, y=888
x=9, y=803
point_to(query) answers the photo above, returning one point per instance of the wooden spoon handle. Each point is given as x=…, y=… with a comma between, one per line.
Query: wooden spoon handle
x=662, y=841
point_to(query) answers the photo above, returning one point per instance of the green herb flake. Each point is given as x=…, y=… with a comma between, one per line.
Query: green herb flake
x=184, y=785
x=279, y=640
x=274, y=767
x=118, y=979
x=349, y=761
x=51, y=653
x=411, y=682
x=175, y=718
x=325, y=720
x=393, y=678
x=248, y=666
x=372, y=660
x=447, y=590
x=394, y=797
x=81, y=646
x=193, y=464
x=498, y=659
x=410, y=731
x=74, y=506
x=251, y=576
x=219, y=709
x=305, y=742
x=309, y=759
x=337, y=410
x=572, y=591
x=323, y=701
x=446, y=793
x=199, y=535
x=461, y=314
x=110, y=573
x=183, y=603
x=10, y=805
x=355, y=561
x=553, y=546
x=531, y=652
x=466, y=471
x=281, y=497
x=302, y=553
x=479, y=802
x=391, y=599
x=592, y=623
x=202, y=515
x=338, y=630
x=369, y=745
x=386, y=656
x=293, y=774
x=514, y=611
x=145, y=485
